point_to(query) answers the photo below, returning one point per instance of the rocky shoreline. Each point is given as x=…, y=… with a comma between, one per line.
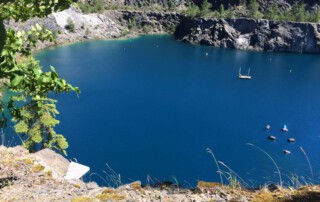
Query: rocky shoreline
x=40, y=177
x=251, y=34
x=244, y=34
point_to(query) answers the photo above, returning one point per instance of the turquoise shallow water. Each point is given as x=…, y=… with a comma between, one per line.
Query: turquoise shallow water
x=151, y=106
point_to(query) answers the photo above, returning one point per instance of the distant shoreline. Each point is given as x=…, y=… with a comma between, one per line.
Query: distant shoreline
x=242, y=33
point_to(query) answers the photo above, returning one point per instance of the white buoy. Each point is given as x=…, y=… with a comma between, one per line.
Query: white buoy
x=286, y=152
x=268, y=127
x=291, y=140
x=285, y=129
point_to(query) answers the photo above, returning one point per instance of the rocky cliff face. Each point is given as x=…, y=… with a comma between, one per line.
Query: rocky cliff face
x=157, y=22
x=264, y=4
x=245, y=34
x=251, y=34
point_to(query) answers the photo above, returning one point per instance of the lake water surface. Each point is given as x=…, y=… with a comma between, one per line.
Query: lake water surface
x=150, y=106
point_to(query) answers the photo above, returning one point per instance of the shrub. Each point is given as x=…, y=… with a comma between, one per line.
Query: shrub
x=205, y=8
x=70, y=25
x=133, y=23
x=254, y=9
x=146, y=28
x=193, y=10
x=95, y=6
x=171, y=28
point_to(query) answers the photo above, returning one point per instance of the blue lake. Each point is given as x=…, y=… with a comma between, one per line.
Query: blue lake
x=150, y=106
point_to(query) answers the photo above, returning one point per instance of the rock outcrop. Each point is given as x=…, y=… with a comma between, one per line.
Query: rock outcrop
x=87, y=26
x=158, y=22
x=251, y=34
x=244, y=34
x=33, y=177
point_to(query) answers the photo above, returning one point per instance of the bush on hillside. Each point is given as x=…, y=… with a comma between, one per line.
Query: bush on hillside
x=95, y=6
x=70, y=25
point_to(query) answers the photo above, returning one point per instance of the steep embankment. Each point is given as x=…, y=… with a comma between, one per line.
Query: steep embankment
x=110, y=24
x=251, y=34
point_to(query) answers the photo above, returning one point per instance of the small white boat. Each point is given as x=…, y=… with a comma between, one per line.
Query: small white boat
x=244, y=76
x=272, y=137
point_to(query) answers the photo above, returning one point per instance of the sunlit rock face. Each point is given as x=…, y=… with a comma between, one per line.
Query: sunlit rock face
x=251, y=34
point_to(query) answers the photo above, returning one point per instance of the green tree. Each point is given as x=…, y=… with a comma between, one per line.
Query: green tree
x=193, y=10
x=222, y=11
x=170, y=4
x=31, y=109
x=274, y=13
x=92, y=6
x=299, y=12
x=288, y=15
x=317, y=15
x=243, y=3
x=70, y=25
x=254, y=9
x=205, y=8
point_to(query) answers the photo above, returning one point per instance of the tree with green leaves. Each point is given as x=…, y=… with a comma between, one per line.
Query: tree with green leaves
x=70, y=25
x=299, y=12
x=28, y=104
x=205, y=8
x=243, y=3
x=274, y=13
x=287, y=16
x=317, y=15
x=222, y=11
x=254, y=9
x=193, y=10
x=170, y=4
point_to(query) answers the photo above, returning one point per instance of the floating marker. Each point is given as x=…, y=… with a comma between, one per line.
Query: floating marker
x=286, y=152
x=268, y=127
x=285, y=129
x=291, y=140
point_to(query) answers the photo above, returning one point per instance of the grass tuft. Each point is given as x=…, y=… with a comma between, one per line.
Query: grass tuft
x=28, y=161
x=37, y=168
x=82, y=199
x=110, y=194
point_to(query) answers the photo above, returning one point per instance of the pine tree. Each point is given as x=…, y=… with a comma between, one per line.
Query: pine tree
x=222, y=11
x=205, y=8
x=299, y=12
x=317, y=15
x=254, y=9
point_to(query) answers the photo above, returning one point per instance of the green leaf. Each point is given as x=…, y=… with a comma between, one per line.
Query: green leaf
x=17, y=79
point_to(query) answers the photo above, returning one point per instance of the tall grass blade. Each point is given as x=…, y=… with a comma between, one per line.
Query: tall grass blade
x=305, y=154
x=250, y=144
x=231, y=171
x=2, y=137
x=215, y=160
